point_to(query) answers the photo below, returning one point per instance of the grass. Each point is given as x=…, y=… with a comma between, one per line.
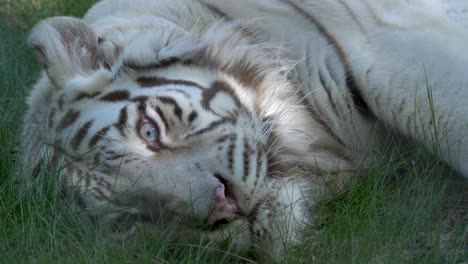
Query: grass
x=397, y=213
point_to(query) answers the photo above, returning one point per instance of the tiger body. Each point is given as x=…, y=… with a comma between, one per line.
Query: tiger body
x=243, y=112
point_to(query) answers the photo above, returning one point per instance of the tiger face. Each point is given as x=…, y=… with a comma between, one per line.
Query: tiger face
x=134, y=132
x=195, y=144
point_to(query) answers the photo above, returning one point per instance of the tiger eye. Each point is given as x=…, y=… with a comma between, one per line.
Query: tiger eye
x=148, y=132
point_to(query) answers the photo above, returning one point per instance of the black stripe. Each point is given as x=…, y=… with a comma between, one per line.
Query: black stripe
x=332, y=74
x=163, y=118
x=216, y=10
x=64, y=181
x=211, y=126
x=142, y=108
x=358, y=100
x=402, y=105
x=230, y=154
x=98, y=194
x=151, y=82
x=180, y=91
x=225, y=137
x=86, y=176
x=103, y=183
x=327, y=90
x=192, y=117
x=247, y=153
x=82, y=96
x=260, y=157
x=97, y=159
x=61, y=102
x=151, y=66
x=177, y=109
x=98, y=136
x=333, y=149
x=80, y=135
x=115, y=96
x=140, y=99
x=219, y=87
x=37, y=169
x=122, y=122
x=317, y=117
x=410, y=125
x=70, y=117
x=51, y=117
x=117, y=156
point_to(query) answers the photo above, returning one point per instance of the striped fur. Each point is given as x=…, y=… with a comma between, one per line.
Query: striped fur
x=154, y=104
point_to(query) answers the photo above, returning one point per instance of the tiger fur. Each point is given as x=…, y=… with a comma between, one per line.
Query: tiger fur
x=238, y=115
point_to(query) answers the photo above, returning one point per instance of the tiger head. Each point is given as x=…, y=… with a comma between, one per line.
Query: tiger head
x=153, y=117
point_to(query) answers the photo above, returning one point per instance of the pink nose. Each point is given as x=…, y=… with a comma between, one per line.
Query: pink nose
x=225, y=208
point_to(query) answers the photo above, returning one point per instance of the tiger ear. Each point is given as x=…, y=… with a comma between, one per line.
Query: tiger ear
x=66, y=46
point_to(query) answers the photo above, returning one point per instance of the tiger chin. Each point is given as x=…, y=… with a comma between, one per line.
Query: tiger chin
x=145, y=106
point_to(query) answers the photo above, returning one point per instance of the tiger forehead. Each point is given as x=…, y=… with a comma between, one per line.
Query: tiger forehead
x=145, y=87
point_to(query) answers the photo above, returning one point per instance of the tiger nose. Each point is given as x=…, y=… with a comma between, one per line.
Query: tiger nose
x=225, y=209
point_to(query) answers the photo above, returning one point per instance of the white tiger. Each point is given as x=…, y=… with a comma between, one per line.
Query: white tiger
x=238, y=115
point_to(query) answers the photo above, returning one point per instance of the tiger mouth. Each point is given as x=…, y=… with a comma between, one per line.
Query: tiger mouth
x=225, y=222
x=221, y=223
x=226, y=209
